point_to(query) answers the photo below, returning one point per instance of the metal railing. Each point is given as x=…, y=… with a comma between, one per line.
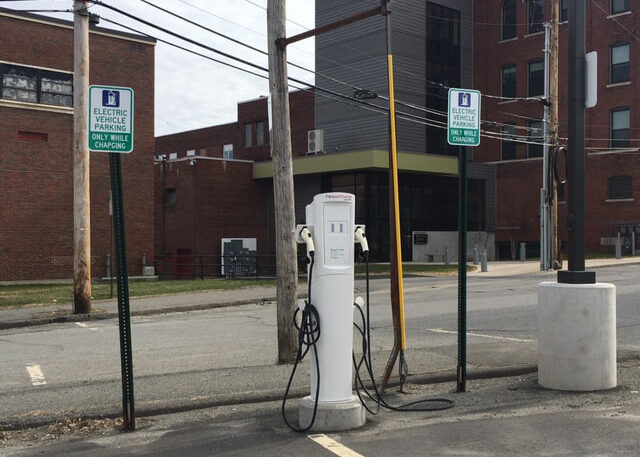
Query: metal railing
x=201, y=266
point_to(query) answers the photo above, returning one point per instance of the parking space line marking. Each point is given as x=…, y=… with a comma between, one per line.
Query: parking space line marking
x=506, y=338
x=334, y=446
x=83, y=325
x=36, y=374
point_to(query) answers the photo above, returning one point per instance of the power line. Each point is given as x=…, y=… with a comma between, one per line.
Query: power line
x=325, y=92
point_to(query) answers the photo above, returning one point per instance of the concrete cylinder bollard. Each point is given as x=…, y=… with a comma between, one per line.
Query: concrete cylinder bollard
x=447, y=261
x=523, y=252
x=483, y=266
x=476, y=255
x=577, y=336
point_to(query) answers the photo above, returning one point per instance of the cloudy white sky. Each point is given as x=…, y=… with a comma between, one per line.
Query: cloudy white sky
x=193, y=92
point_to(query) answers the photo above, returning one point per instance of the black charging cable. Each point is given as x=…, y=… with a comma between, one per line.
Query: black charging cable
x=308, y=336
x=439, y=404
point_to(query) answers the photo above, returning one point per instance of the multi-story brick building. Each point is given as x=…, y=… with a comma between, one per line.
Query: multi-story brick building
x=509, y=62
x=36, y=147
x=206, y=191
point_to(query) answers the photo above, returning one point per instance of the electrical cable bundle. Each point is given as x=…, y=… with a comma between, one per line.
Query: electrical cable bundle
x=376, y=396
x=308, y=336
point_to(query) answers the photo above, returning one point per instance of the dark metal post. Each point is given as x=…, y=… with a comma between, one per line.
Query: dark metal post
x=124, y=319
x=576, y=273
x=462, y=271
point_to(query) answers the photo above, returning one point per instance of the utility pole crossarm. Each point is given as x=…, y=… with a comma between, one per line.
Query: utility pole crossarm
x=282, y=43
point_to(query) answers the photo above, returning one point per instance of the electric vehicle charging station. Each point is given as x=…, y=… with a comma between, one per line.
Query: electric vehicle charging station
x=329, y=232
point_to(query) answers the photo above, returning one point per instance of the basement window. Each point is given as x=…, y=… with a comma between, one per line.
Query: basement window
x=620, y=187
x=35, y=85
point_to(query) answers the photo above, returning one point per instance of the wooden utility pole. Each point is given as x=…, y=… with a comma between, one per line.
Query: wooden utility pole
x=81, y=196
x=553, y=128
x=286, y=258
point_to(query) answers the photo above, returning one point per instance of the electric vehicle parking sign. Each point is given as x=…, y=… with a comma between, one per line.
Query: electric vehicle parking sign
x=110, y=119
x=463, y=128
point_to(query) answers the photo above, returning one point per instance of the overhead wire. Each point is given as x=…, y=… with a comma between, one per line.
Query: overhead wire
x=354, y=87
x=330, y=94
x=334, y=95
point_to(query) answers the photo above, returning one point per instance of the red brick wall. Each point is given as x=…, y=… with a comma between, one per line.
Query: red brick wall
x=215, y=199
x=36, y=177
x=211, y=138
x=219, y=198
x=302, y=108
x=518, y=183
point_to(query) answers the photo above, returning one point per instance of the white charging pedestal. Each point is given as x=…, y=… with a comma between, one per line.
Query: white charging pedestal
x=330, y=220
x=577, y=336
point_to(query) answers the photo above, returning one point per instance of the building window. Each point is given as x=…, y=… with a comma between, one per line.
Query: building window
x=536, y=78
x=619, y=6
x=34, y=85
x=620, y=124
x=508, y=147
x=508, y=81
x=620, y=187
x=169, y=197
x=564, y=11
x=260, y=133
x=191, y=153
x=619, y=63
x=536, y=139
x=509, y=19
x=247, y=141
x=227, y=152
x=442, y=57
x=535, y=16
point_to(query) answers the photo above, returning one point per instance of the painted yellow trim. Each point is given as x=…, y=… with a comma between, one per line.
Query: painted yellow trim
x=363, y=160
x=396, y=199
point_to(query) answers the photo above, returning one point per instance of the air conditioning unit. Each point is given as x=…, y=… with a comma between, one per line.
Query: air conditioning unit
x=315, y=141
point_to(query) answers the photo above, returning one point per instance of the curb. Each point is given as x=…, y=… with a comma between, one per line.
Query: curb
x=272, y=395
x=21, y=323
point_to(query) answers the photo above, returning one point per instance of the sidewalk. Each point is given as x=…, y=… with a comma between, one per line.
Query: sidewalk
x=108, y=309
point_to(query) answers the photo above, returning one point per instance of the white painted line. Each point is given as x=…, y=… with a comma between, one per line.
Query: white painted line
x=506, y=338
x=83, y=325
x=334, y=446
x=36, y=374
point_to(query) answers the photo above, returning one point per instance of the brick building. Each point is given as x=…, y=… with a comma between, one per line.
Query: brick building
x=36, y=150
x=206, y=191
x=509, y=62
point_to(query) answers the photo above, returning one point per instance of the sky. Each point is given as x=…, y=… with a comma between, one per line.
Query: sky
x=191, y=91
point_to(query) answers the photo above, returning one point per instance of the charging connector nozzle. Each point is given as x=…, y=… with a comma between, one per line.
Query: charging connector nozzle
x=306, y=237
x=361, y=238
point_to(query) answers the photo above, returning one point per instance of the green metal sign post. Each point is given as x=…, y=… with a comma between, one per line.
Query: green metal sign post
x=111, y=130
x=463, y=129
x=124, y=318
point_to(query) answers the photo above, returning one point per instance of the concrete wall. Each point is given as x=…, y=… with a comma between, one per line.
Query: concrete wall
x=434, y=249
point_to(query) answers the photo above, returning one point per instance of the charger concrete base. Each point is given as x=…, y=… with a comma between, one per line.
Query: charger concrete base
x=577, y=336
x=332, y=416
